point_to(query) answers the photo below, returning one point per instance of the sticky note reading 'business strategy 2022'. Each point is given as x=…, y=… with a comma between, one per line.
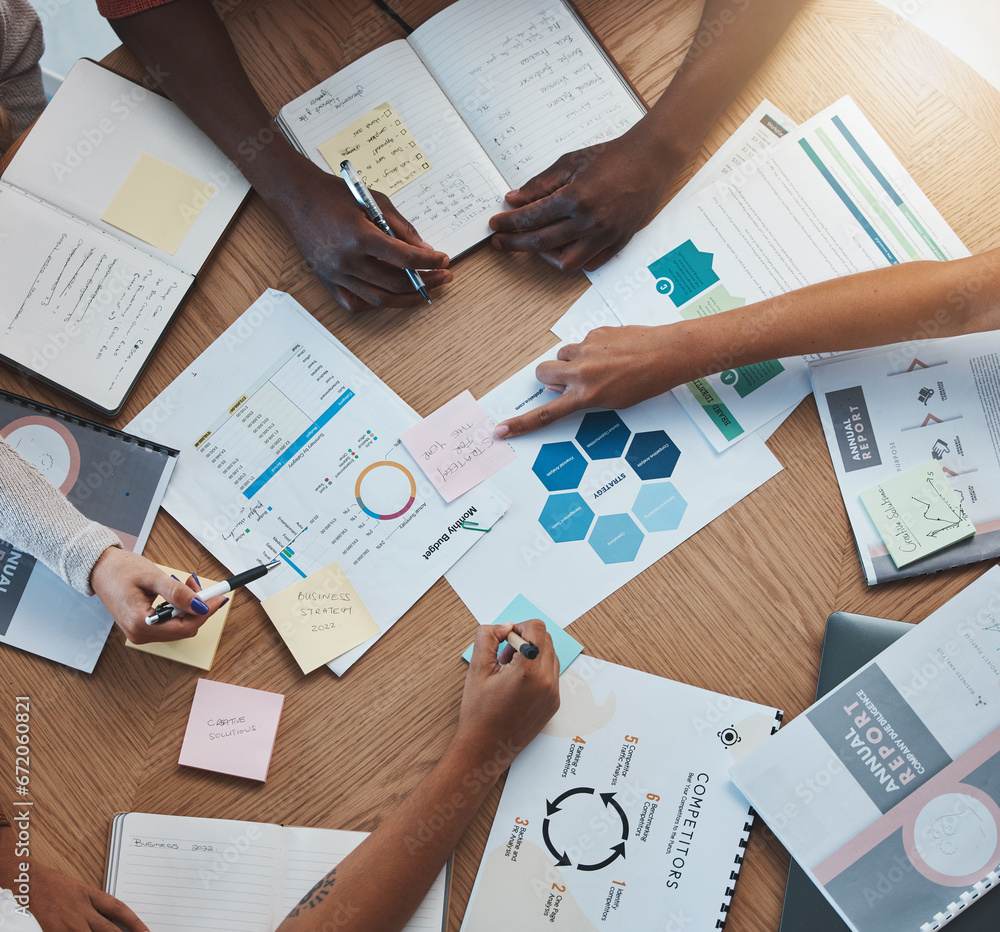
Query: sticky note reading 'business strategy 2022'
x=521, y=609
x=917, y=513
x=456, y=446
x=231, y=729
x=158, y=203
x=198, y=651
x=320, y=617
x=381, y=149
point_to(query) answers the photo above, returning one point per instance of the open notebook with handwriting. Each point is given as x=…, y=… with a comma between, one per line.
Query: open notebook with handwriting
x=181, y=874
x=476, y=101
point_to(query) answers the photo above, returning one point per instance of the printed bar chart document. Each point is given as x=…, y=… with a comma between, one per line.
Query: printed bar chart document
x=616, y=818
x=290, y=450
x=831, y=200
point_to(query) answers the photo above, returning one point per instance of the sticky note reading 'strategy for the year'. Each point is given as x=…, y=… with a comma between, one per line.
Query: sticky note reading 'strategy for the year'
x=231, y=729
x=381, y=149
x=320, y=617
x=917, y=513
x=198, y=651
x=158, y=203
x=456, y=446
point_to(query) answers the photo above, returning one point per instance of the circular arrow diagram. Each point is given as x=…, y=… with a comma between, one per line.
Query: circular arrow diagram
x=562, y=859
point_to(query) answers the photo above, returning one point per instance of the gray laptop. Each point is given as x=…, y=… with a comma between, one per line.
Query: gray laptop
x=850, y=642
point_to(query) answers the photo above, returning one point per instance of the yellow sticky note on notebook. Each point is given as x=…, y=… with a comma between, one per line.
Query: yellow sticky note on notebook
x=198, y=651
x=381, y=149
x=320, y=617
x=158, y=203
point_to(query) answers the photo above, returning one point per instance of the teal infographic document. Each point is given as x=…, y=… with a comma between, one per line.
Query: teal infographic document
x=620, y=814
x=830, y=199
x=290, y=450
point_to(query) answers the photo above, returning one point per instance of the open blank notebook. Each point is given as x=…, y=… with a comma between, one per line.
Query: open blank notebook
x=181, y=874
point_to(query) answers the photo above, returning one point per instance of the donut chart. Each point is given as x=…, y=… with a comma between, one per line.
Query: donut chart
x=396, y=514
x=47, y=444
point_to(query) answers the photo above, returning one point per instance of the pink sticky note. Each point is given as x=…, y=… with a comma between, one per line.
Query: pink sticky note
x=231, y=729
x=456, y=447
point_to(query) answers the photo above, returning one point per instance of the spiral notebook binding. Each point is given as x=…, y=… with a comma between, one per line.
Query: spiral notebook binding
x=79, y=421
x=964, y=899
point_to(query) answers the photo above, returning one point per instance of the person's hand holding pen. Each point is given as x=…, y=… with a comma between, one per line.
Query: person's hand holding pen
x=128, y=583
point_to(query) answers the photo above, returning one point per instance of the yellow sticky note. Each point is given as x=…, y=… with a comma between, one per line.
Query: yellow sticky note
x=381, y=149
x=198, y=651
x=320, y=617
x=158, y=203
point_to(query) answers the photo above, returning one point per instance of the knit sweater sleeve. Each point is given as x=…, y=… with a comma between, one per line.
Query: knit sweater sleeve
x=37, y=519
x=20, y=77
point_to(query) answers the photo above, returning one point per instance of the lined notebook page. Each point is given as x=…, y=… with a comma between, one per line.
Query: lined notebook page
x=528, y=78
x=450, y=204
x=310, y=853
x=77, y=306
x=197, y=875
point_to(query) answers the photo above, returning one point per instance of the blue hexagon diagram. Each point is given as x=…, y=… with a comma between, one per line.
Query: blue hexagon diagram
x=603, y=435
x=659, y=507
x=653, y=455
x=566, y=517
x=560, y=466
x=616, y=538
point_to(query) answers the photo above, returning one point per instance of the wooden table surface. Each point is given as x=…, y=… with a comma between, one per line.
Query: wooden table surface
x=741, y=607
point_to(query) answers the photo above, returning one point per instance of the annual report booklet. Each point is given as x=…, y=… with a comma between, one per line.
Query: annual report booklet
x=180, y=873
x=476, y=101
x=109, y=209
x=887, y=410
x=114, y=478
x=621, y=813
x=887, y=790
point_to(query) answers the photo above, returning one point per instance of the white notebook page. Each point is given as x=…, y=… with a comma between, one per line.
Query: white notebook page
x=451, y=203
x=529, y=80
x=311, y=853
x=78, y=306
x=198, y=875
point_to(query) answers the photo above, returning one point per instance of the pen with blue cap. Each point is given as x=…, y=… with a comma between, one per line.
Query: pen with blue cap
x=364, y=197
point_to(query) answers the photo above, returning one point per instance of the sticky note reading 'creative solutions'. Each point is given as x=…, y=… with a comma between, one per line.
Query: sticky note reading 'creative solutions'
x=456, y=446
x=158, y=203
x=381, y=149
x=320, y=617
x=521, y=609
x=198, y=651
x=231, y=729
x=917, y=513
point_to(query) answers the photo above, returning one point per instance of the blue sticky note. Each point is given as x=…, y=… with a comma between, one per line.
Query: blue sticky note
x=567, y=647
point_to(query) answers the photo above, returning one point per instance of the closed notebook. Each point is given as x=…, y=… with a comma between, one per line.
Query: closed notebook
x=184, y=874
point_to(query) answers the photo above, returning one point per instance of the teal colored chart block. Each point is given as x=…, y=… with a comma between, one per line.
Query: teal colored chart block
x=683, y=273
x=521, y=609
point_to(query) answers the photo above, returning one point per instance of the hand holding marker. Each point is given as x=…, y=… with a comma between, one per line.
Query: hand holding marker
x=527, y=650
x=167, y=611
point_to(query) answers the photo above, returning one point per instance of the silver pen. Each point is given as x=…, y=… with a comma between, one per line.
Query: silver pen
x=364, y=197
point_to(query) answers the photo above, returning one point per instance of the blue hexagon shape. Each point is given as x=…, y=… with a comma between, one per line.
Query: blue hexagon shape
x=659, y=507
x=559, y=466
x=566, y=517
x=615, y=538
x=653, y=455
x=603, y=435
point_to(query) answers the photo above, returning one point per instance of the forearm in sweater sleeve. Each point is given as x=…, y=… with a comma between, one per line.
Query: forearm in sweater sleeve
x=37, y=519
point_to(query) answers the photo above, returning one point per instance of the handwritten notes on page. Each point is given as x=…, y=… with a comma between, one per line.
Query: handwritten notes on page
x=321, y=617
x=456, y=446
x=198, y=651
x=917, y=513
x=231, y=729
x=158, y=203
x=381, y=148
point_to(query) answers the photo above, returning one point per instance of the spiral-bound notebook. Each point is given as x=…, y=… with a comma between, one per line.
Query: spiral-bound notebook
x=112, y=477
x=851, y=641
x=621, y=814
x=181, y=873
x=887, y=790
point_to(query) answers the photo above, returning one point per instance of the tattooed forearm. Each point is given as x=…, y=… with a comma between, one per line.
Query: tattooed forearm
x=316, y=895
